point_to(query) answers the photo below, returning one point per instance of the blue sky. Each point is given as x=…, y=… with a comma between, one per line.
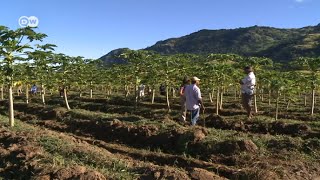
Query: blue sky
x=92, y=28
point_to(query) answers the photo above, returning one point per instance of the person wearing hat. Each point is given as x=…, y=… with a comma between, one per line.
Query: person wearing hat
x=193, y=99
x=247, y=89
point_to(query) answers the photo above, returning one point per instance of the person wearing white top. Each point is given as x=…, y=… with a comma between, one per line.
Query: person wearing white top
x=193, y=99
x=141, y=90
x=247, y=89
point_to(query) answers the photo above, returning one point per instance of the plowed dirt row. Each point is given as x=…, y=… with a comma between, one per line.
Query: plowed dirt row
x=23, y=157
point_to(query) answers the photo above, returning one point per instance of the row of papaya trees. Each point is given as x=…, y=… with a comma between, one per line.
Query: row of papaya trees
x=24, y=58
x=220, y=73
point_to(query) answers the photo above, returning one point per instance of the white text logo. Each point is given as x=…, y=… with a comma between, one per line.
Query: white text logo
x=31, y=21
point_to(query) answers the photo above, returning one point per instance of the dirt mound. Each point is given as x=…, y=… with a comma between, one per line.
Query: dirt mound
x=165, y=173
x=216, y=121
x=68, y=173
x=278, y=127
x=18, y=156
x=77, y=172
x=268, y=175
x=284, y=144
x=248, y=146
x=92, y=175
x=25, y=117
x=43, y=177
x=199, y=134
x=235, y=147
x=281, y=127
x=186, y=139
x=202, y=174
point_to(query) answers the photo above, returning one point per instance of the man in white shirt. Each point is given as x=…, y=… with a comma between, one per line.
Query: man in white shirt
x=193, y=99
x=247, y=89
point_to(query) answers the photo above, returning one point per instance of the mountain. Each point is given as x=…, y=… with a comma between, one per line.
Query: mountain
x=282, y=45
x=112, y=57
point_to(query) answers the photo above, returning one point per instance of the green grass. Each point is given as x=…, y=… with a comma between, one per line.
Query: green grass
x=67, y=154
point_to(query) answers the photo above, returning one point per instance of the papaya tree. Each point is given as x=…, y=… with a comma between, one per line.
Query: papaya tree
x=218, y=70
x=137, y=62
x=218, y=78
x=42, y=62
x=109, y=78
x=64, y=66
x=168, y=72
x=292, y=89
x=13, y=45
x=120, y=75
x=81, y=78
x=24, y=72
x=278, y=84
x=152, y=77
x=93, y=72
x=312, y=66
x=265, y=82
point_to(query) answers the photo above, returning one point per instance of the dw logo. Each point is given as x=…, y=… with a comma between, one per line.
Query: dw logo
x=31, y=21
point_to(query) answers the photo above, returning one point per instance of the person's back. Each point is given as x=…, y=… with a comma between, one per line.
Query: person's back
x=248, y=83
x=192, y=94
x=34, y=89
x=193, y=99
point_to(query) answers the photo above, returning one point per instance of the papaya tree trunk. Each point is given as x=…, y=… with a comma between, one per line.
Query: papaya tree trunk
x=11, y=112
x=305, y=100
x=217, y=102
x=66, y=98
x=91, y=90
x=277, y=106
x=288, y=104
x=210, y=97
x=269, y=102
x=313, y=102
x=136, y=95
x=2, y=89
x=212, y=94
x=255, y=103
x=27, y=94
x=167, y=97
x=42, y=95
x=127, y=91
x=221, y=100
x=173, y=92
x=153, y=94
x=80, y=91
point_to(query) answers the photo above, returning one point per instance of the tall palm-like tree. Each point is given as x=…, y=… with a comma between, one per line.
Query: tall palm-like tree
x=13, y=45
